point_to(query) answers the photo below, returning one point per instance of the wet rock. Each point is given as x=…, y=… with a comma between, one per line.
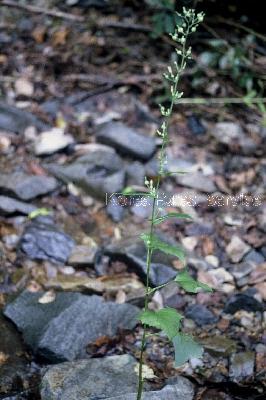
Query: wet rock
x=197, y=181
x=42, y=240
x=9, y=206
x=219, y=345
x=241, y=301
x=236, y=249
x=50, y=142
x=16, y=120
x=201, y=315
x=242, y=366
x=98, y=172
x=83, y=255
x=126, y=140
x=195, y=125
x=26, y=187
x=61, y=328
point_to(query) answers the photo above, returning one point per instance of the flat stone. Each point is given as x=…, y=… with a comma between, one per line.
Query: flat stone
x=50, y=142
x=83, y=255
x=221, y=275
x=254, y=256
x=242, y=366
x=126, y=140
x=236, y=249
x=98, y=172
x=15, y=120
x=97, y=378
x=135, y=173
x=61, y=329
x=26, y=187
x=42, y=240
x=9, y=206
x=219, y=345
x=201, y=315
x=197, y=181
x=115, y=210
x=241, y=270
x=227, y=132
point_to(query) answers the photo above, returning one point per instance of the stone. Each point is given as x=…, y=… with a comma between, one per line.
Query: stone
x=254, y=256
x=221, y=275
x=201, y=315
x=135, y=173
x=26, y=187
x=15, y=120
x=9, y=206
x=115, y=210
x=98, y=378
x=227, y=132
x=241, y=270
x=219, y=345
x=236, y=249
x=195, y=125
x=23, y=87
x=42, y=240
x=126, y=140
x=197, y=181
x=61, y=329
x=99, y=172
x=242, y=366
x=51, y=141
x=241, y=301
x=142, y=208
x=199, y=229
x=82, y=255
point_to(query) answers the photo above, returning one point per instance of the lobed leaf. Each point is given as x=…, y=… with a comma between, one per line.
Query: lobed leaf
x=185, y=348
x=189, y=284
x=166, y=319
x=171, y=215
x=155, y=243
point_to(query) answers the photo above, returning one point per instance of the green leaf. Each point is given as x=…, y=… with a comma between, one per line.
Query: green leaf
x=185, y=348
x=166, y=319
x=189, y=284
x=170, y=215
x=155, y=243
x=39, y=212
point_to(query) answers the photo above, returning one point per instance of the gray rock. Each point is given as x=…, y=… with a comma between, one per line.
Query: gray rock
x=201, y=315
x=26, y=187
x=51, y=141
x=9, y=206
x=16, y=120
x=227, y=132
x=83, y=255
x=115, y=210
x=61, y=329
x=126, y=140
x=142, y=208
x=242, y=365
x=135, y=173
x=242, y=301
x=42, y=240
x=99, y=172
x=90, y=379
x=254, y=256
x=236, y=249
x=197, y=181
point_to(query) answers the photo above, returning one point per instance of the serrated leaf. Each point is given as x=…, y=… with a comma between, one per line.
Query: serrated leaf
x=185, y=348
x=171, y=215
x=189, y=284
x=155, y=243
x=166, y=319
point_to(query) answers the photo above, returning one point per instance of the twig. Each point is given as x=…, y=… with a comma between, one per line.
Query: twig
x=221, y=100
x=41, y=10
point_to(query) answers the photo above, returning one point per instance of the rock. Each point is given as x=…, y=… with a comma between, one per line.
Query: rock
x=197, y=181
x=201, y=315
x=199, y=229
x=82, y=255
x=135, y=173
x=24, y=87
x=212, y=260
x=9, y=206
x=98, y=378
x=87, y=3
x=195, y=125
x=242, y=366
x=133, y=254
x=227, y=132
x=142, y=208
x=61, y=329
x=126, y=140
x=236, y=249
x=221, y=275
x=50, y=142
x=42, y=240
x=241, y=270
x=15, y=120
x=14, y=366
x=98, y=172
x=219, y=345
x=26, y=187
x=254, y=256
x=115, y=210
x=241, y=301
